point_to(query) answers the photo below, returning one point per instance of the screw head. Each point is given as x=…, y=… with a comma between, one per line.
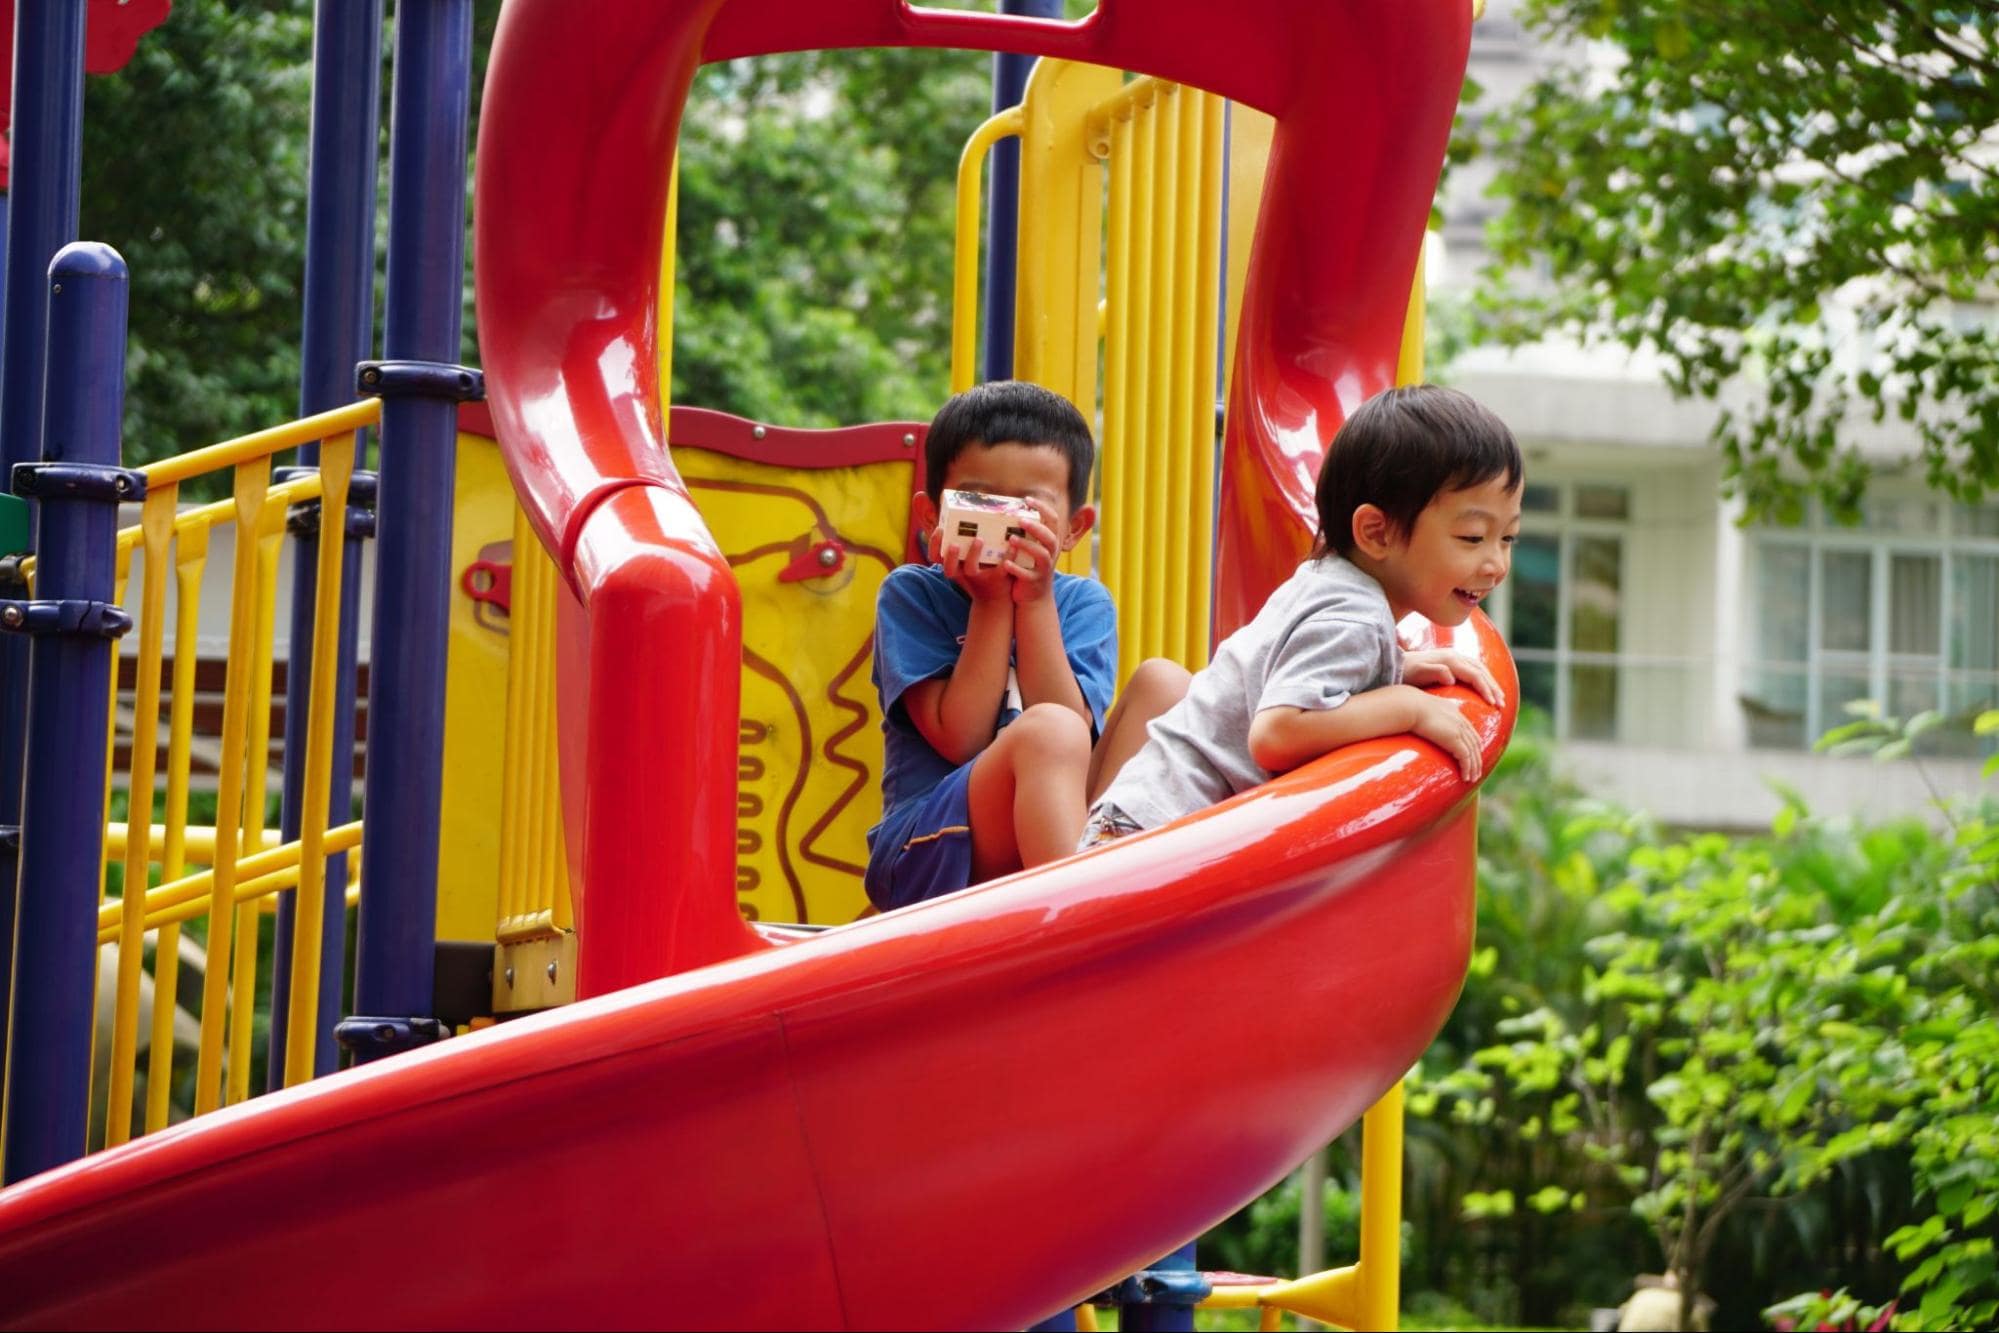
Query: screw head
x=828, y=556
x=11, y=617
x=122, y=485
x=55, y=289
x=510, y=978
x=371, y=375
x=909, y=440
x=757, y=432
x=551, y=969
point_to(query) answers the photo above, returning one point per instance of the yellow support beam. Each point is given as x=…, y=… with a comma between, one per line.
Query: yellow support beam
x=965, y=271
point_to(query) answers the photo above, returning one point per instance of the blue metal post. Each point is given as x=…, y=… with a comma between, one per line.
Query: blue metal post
x=1173, y=1288
x=338, y=332
x=1010, y=73
x=47, y=174
x=71, y=625
x=396, y=953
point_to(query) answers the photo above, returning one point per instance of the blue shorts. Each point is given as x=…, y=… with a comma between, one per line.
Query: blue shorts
x=923, y=850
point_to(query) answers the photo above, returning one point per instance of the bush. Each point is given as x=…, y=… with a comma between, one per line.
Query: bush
x=1767, y=1064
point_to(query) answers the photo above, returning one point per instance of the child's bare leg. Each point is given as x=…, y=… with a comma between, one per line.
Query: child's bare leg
x=1026, y=792
x=1156, y=686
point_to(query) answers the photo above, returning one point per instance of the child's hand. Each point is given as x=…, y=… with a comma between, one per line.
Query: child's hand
x=1440, y=722
x=985, y=583
x=1040, y=546
x=1440, y=666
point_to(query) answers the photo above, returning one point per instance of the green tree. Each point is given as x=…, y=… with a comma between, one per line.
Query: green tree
x=194, y=168
x=1723, y=178
x=814, y=269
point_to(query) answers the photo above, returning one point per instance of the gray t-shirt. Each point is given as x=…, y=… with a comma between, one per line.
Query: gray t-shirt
x=1325, y=635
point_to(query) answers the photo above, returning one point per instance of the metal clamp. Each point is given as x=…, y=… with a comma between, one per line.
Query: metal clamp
x=1159, y=1286
x=71, y=617
x=78, y=481
x=375, y=1037
x=420, y=379
x=303, y=520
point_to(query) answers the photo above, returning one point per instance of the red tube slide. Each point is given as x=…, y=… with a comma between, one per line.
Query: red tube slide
x=962, y=1115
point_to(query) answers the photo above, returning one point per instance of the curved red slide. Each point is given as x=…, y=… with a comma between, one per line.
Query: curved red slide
x=965, y=1114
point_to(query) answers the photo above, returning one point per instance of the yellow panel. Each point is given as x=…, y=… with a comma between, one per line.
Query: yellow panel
x=475, y=698
x=810, y=777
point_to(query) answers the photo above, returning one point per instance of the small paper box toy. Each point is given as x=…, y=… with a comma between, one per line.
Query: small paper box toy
x=973, y=521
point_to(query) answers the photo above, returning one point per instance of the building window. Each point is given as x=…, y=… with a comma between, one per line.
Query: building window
x=1903, y=609
x=1562, y=608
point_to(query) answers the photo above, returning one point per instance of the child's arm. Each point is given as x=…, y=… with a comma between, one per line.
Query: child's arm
x=1041, y=658
x=955, y=713
x=1282, y=738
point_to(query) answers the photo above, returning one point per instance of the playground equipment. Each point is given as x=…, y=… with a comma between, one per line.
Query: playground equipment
x=740, y=1122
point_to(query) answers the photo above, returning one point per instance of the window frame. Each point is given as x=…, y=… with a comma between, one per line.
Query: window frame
x=1567, y=527
x=1955, y=538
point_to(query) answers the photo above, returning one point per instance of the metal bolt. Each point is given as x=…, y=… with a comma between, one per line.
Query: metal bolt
x=122, y=485
x=757, y=432
x=56, y=290
x=510, y=978
x=11, y=617
x=371, y=375
x=909, y=441
x=551, y=971
x=829, y=556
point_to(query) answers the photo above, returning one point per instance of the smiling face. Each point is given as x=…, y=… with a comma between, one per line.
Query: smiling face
x=1459, y=550
x=1036, y=473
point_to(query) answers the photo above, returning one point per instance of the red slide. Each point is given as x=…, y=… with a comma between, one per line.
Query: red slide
x=965, y=1114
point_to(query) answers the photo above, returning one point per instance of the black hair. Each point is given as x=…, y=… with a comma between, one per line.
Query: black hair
x=1009, y=412
x=1401, y=449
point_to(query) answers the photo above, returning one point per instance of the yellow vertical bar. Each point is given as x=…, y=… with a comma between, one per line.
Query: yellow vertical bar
x=336, y=468
x=1380, y=1266
x=1409, y=357
x=1269, y=1318
x=190, y=559
x=554, y=897
x=510, y=776
x=156, y=524
x=1117, y=388
x=256, y=789
x=1139, y=546
x=1381, y=1212
x=538, y=772
x=1160, y=389
x=1207, y=328
x=1179, y=442
x=252, y=482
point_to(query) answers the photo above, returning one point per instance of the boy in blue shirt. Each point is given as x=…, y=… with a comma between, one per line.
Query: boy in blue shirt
x=996, y=681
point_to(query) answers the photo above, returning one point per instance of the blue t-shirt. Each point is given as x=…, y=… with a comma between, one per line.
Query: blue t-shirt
x=920, y=622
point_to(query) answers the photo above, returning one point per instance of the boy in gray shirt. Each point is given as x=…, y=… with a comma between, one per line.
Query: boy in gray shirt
x=1419, y=506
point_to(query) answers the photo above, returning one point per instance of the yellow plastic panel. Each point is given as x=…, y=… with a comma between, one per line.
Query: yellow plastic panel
x=809, y=781
x=475, y=700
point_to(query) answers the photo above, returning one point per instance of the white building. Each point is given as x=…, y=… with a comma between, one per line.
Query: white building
x=1685, y=659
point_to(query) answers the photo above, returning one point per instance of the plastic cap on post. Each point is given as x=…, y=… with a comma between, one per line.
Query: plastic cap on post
x=87, y=259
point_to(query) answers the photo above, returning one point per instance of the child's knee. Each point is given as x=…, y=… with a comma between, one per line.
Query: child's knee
x=1159, y=682
x=1051, y=733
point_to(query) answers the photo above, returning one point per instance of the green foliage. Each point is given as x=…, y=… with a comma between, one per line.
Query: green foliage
x=1716, y=178
x=195, y=170
x=814, y=270
x=1776, y=1053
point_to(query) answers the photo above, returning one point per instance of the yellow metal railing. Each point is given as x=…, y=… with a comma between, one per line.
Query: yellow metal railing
x=1161, y=144
x=1158, y=257
x=243, y=867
